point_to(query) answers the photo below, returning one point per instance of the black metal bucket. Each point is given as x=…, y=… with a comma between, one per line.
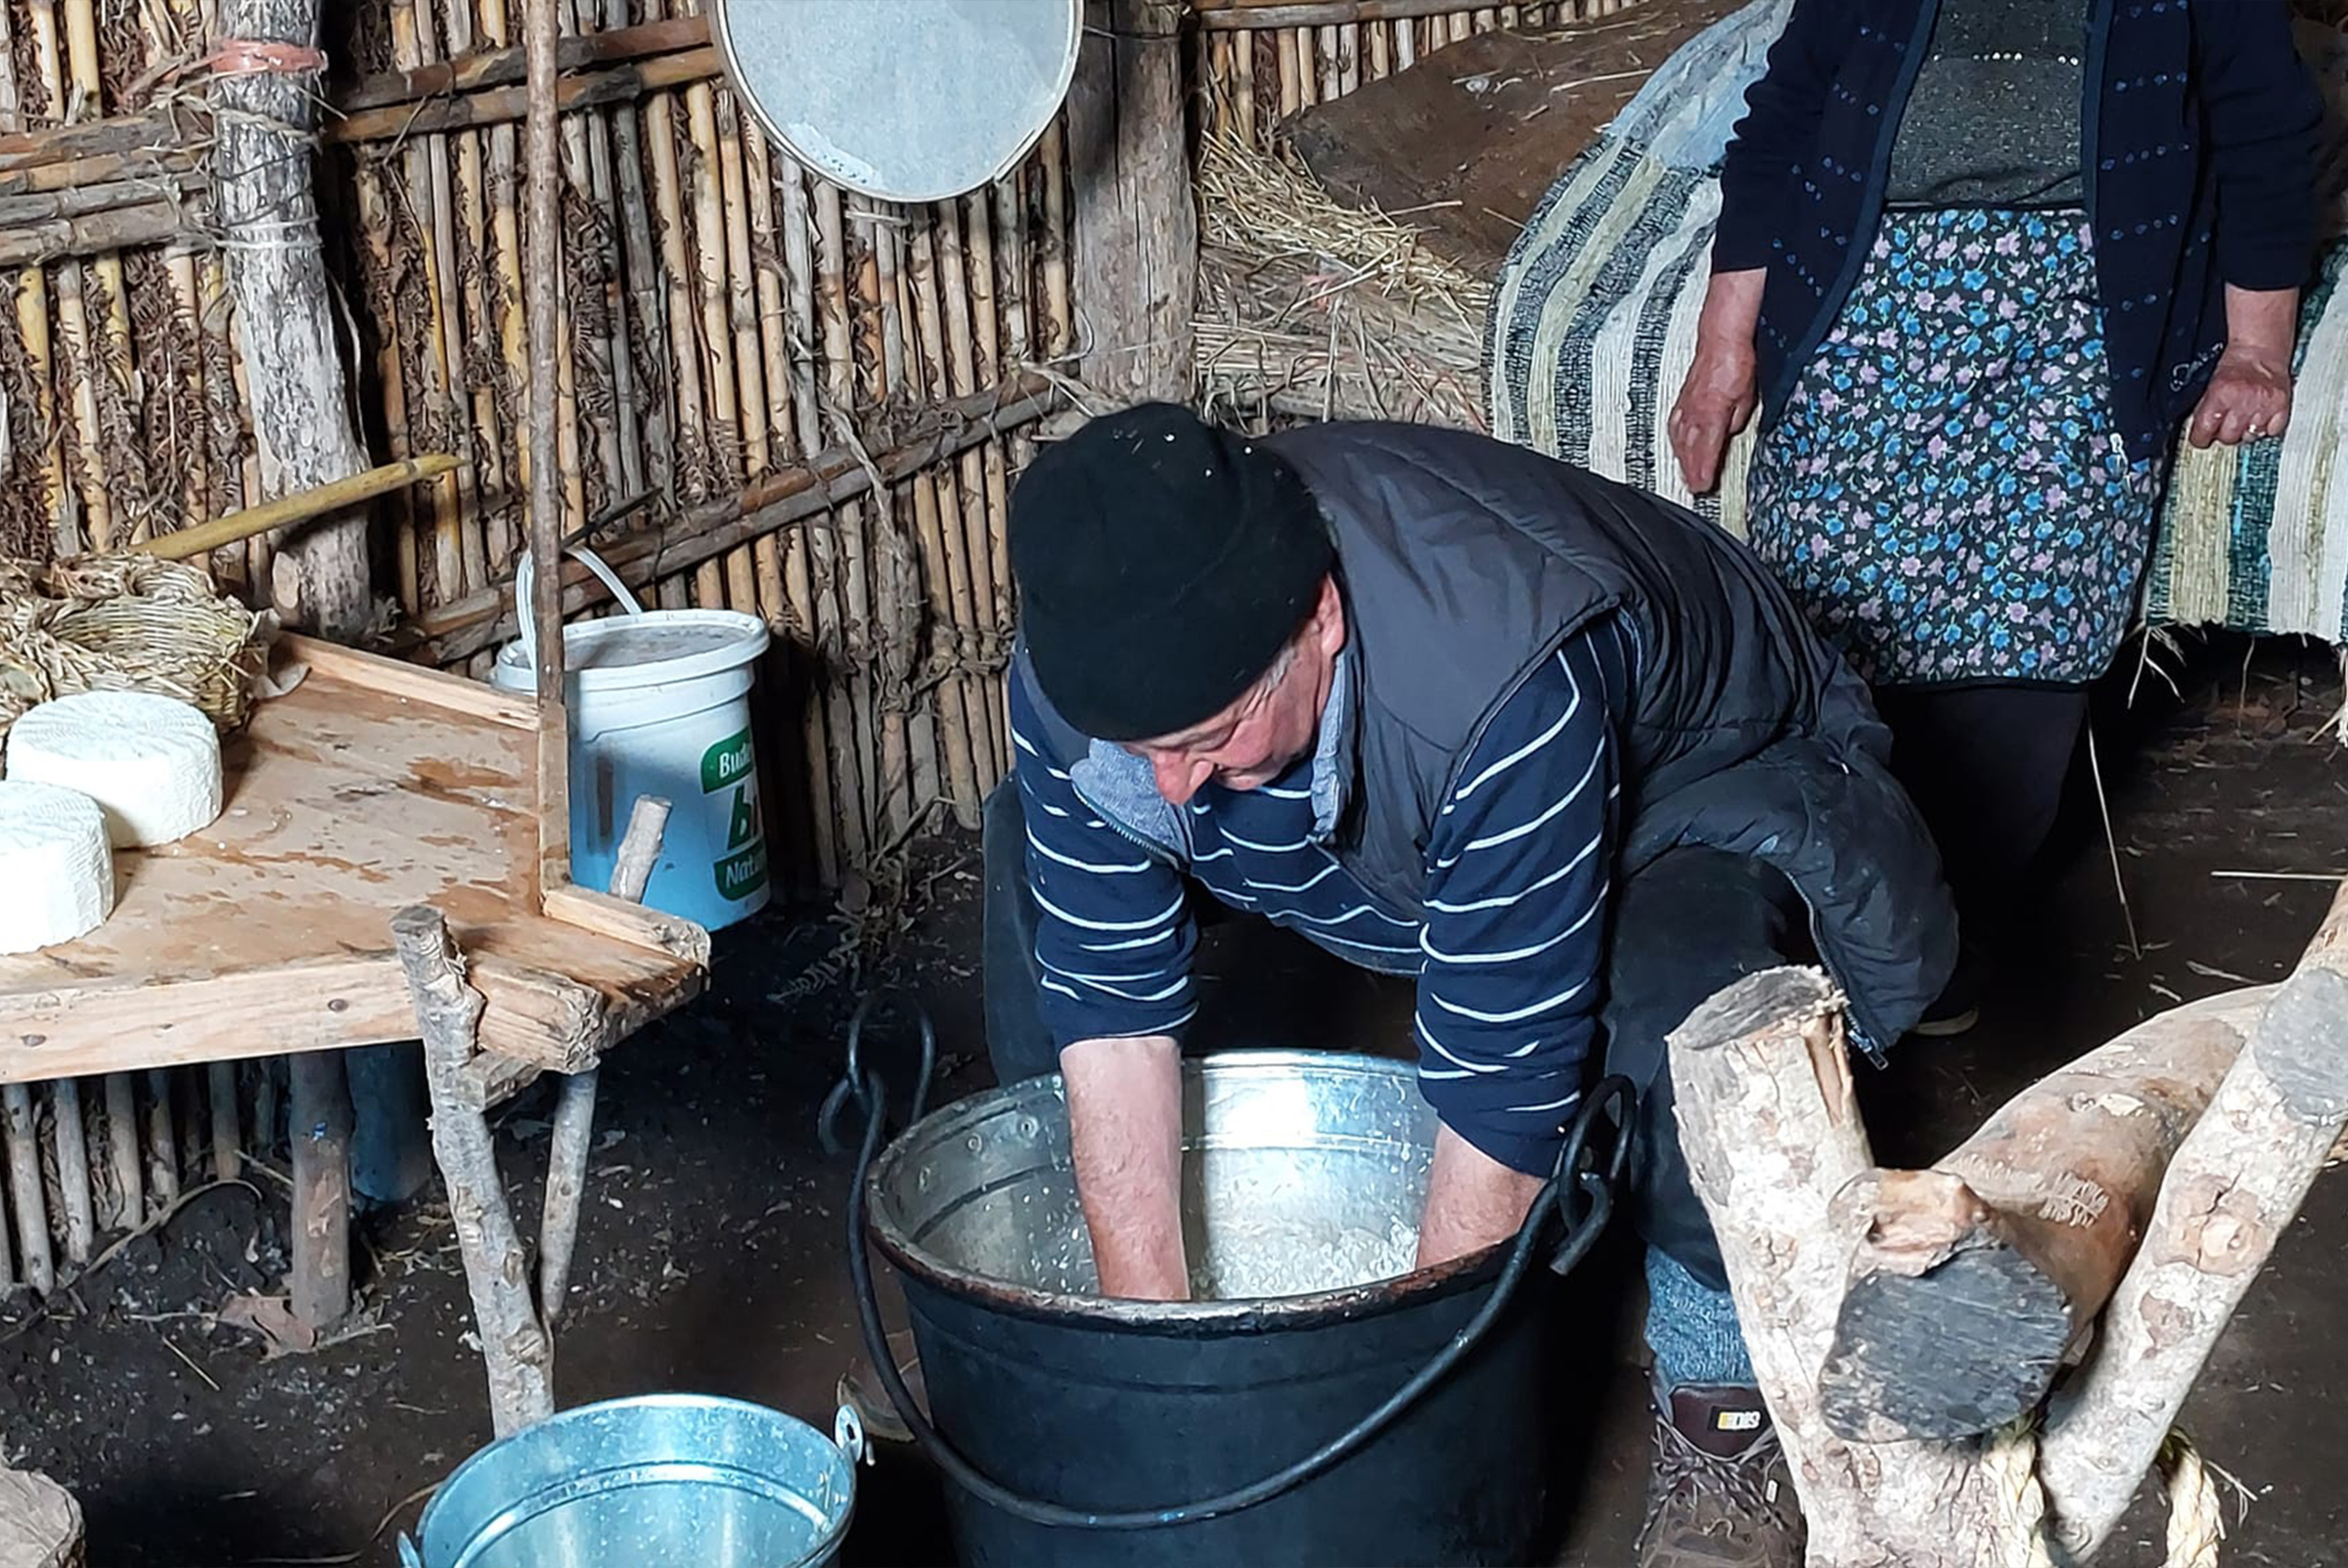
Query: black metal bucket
x=1391, y=1423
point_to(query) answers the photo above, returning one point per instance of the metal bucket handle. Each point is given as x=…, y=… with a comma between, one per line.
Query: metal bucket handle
x=526, y=623
x=1580, y=1191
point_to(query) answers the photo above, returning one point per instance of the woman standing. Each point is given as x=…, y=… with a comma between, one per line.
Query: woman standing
x=1977, y=262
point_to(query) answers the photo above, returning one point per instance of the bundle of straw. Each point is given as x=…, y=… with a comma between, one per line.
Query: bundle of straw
x=129, y=622
x=1310, y=308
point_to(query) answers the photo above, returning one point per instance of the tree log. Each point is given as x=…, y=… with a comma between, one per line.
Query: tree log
x=448, y=1013
x=1977, y=1281
x=2233, y=1189
x=268, y=216
x=1136, y=221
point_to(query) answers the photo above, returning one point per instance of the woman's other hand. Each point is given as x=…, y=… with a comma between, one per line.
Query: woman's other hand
x=1718, y=398
x=2249, y=393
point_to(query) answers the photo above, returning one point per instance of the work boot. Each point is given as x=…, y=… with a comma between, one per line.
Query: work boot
x=1720, y=1494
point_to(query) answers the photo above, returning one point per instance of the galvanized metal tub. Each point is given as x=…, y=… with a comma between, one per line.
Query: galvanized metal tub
x=1109, y=1405
x=657, y=1481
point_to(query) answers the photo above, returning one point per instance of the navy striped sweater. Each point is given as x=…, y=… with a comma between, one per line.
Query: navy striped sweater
x=1507, y=939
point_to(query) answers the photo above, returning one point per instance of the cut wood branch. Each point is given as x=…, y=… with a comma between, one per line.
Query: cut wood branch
x=573, y=1136
x=785, y=496
x=506, y=67
x=2233, y=1188
x=541, y=285
x=504, y=106
x=448, y=1013
x=1976, y=1281
x=285, y=511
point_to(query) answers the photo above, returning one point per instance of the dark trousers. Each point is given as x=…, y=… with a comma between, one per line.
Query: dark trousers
x=1985, y=766
x=1680, y=930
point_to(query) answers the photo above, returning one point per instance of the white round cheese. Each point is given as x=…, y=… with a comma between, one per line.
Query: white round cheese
x=55, y=864
x=152, y=762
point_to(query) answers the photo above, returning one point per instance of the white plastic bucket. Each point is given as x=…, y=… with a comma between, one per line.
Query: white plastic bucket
x=660, y=705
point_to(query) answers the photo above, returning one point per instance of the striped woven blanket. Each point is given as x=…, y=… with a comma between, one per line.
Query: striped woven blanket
x=1593, y=325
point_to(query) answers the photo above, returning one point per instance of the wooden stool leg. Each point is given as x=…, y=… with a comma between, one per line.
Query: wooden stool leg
x=575, y=1114
x=448, y=1014
x=321, y=1274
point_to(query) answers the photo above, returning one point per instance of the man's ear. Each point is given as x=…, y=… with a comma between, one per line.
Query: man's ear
x=1326, y=629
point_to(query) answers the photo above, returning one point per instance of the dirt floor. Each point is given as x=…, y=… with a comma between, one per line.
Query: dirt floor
x=711, y=1252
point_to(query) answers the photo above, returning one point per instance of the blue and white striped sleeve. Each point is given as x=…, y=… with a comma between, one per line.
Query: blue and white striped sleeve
x=1113, y=931
x=1517, y=877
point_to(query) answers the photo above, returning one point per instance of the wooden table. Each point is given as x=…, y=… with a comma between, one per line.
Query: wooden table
x=371, y=786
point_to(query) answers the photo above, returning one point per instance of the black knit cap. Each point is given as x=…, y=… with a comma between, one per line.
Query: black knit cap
x=1162, y=565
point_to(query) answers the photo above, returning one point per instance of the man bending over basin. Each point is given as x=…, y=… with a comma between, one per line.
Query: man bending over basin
x=1448, y=708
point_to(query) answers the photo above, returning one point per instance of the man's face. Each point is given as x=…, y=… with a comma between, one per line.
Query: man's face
x=1275, y=722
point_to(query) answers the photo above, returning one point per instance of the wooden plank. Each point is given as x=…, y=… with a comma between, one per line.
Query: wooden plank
x=1464, y=146
x=102, y=1028
x=411, y=682
x=625, y=922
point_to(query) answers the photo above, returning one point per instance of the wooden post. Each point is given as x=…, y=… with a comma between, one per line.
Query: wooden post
x=267, y=95
x=540, y=284
x=1136, y=221
x=73, y=1170
x=448, y=1013
x=319, y=1280
x=573, y=1136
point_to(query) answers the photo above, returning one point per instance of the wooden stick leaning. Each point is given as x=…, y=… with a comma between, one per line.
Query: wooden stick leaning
x=540, y=282
x=573, y=1136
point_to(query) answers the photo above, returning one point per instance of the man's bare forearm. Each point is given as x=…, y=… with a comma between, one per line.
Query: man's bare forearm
x=1472, y=1200
x=1125, y=1125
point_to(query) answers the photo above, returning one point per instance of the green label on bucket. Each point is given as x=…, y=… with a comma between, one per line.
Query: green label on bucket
x=742, y=825
x=726, y=763
x=740, y=875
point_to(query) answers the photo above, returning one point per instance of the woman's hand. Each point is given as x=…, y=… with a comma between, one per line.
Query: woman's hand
x=1717, y=400
x=2249, y=393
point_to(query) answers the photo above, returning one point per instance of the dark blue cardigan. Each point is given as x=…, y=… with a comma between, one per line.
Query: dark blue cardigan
x=2197, y=131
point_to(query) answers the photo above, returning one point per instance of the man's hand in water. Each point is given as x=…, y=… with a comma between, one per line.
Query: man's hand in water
x=1125, y=1128
x=1472, y=1200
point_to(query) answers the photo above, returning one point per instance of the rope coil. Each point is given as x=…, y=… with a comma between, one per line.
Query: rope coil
x=2009, y=1463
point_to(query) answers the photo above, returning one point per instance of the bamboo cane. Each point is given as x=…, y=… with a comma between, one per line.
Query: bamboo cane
x=422, y=165
x=709, y=212
x=799, y=577
x=1329, y=50
x=122, y=1147
x=1406, y=44
x=111, y=372
x=763, y=256
x=612, y=359
x=498, y=66
x=504, y=106
x=1381, y=39
x=983, y=347
x=504, y=281
x=376, y=226
x=954, y=720
x=192, y=1104
x=1291, y=72
x=692, y=437
x=485, y=485
x=258, y=550
x=961, y=501
x=646, y=315
x=572, y=492
x=162, y=1143
x=587, y=409
x=303, y=506
x=26, y=1196
x=874, y=578
x=73, y=1170
x=187, y=307
x=741, y=284
x=228, y=1157
x=1059, y=329
x=95, y=520
x=1349, y=56
x=31, y=298
x=264, y=1105
x=838, y=584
